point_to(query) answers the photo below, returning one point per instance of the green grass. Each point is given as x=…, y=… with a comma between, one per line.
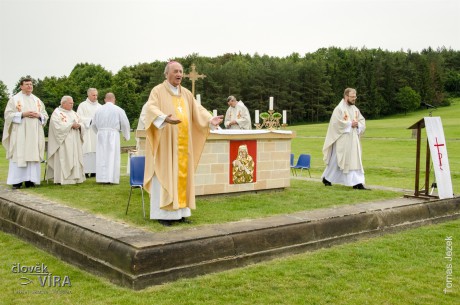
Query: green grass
x=95, y=198
x=388, y=153
x=388, y=147
x=403, y=268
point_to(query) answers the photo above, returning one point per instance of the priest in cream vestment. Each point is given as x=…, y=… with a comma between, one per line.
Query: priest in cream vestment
x=65, y=140
x=86, y=111
x=342, y=147
x=23, y=136
x=237, y=115
x=177, y=127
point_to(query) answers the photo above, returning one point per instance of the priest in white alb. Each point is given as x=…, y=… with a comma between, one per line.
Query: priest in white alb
x=65, y=140
x=23, y=136
x=176, y=127
x=108, y=122
x=86, y=111
x=342, y=147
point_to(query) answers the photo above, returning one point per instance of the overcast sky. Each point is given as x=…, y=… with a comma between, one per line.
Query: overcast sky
x=49, y=37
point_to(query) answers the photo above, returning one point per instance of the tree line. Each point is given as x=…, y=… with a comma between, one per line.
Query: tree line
x=308, y=87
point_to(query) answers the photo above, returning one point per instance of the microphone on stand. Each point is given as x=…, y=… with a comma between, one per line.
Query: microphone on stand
x=427, y=105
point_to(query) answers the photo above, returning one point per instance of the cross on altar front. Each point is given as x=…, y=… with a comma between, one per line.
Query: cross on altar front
x=439, y=153
x=194, y=76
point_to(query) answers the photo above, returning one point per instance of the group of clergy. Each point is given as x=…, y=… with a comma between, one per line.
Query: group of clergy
x=87, y=142
x=81, y=144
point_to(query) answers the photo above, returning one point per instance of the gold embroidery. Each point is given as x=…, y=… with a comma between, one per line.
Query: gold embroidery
x=182, y=151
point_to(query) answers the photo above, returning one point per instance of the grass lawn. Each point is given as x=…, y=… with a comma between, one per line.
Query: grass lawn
x=388, y=152
x=388, y=147
x=403, y=268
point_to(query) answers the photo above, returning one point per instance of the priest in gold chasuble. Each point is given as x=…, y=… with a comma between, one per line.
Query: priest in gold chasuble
x=176, y=131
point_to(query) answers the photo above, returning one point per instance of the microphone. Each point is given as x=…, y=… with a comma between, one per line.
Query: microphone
x=427, y=105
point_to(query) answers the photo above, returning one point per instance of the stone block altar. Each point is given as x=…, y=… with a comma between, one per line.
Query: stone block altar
x=240, y=160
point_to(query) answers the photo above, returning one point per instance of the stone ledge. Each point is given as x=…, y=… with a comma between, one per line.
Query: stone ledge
x=137, y=259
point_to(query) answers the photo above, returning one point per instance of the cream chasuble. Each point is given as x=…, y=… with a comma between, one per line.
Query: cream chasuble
x=65, y=155
x=173, y=151
x=24, y=138
x=342, y=147
x=240, y=114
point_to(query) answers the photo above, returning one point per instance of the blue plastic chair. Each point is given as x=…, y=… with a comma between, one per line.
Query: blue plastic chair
x=136, y=177
x=292, y=164
x=303, y=163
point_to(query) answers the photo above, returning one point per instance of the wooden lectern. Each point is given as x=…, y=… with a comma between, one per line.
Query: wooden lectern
x=417, y=192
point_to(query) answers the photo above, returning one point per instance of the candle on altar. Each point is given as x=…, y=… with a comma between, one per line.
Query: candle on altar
x=284, y=116
x=271, y=103
x=257, y=117
x=214, y=112
x=198, y=98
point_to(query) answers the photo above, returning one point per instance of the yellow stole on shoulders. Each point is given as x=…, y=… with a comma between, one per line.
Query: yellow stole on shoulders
x=182, y=149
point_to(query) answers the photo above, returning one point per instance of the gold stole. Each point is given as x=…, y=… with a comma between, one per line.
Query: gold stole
x=182, y=149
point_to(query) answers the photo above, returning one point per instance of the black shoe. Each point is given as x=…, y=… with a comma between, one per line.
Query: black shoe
x=326, y=183
x=184, y=220
x=93, y=175
x=17, y=186
x=360, y=187
x=166, y=223
x=29, y=184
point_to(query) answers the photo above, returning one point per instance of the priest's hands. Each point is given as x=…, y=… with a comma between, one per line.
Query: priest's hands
x=75, y=126
x=172, y=120
x=232, y=123
x=217, y=120
x=30, y=114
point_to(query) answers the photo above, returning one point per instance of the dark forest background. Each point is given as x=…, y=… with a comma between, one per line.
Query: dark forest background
x=308, y=86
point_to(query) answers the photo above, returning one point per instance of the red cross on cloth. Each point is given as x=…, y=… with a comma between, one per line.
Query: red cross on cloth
x=437, y=145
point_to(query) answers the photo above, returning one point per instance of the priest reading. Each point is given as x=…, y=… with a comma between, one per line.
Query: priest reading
x=65, y=141
x=108, y=122
x=177, y=128
x=237, y=115
x=342, y=147
x=23, y=136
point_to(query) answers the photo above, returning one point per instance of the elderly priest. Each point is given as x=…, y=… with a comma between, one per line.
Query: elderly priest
x=177, y=128
x=65, y=141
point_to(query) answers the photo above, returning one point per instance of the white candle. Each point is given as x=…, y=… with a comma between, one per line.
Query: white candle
x=257, y=117
x=214, y=112
x=271, y=103
x=284, y=116
x=198, y=99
